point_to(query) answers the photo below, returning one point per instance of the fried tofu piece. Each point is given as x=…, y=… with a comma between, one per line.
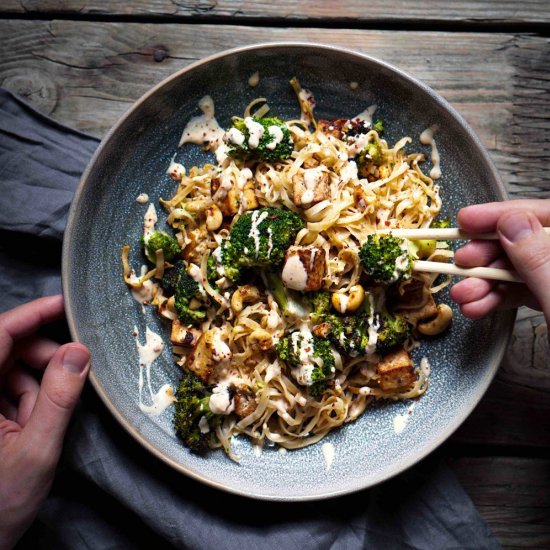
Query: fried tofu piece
x=334, y=128
x=304, y=268
x=228, y=201
x=311, y=186
x=416, y=293
x=245, y=401
x=182, y=335
x=196, y=246
x=396, y=371
x=201, y=360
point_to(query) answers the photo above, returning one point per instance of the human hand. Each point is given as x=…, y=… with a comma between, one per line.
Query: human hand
x=33, y=416
x=522, y=245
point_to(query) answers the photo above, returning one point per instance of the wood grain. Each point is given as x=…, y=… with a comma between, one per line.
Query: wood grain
x=498, y=82
x=512, y=494
x=351, y=11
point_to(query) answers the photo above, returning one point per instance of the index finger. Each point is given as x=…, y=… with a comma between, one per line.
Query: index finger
x=482, y=218
x=24, y=320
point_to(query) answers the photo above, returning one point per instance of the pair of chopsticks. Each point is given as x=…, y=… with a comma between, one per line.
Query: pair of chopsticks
x=451, y=269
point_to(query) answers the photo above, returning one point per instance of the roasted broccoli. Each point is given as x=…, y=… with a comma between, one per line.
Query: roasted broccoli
x=386, y=258
x=349, y=334
x=378, y=125
x=288, y=300
x=371, y=154
x=320, y=305
x=159, y=240
x=392, y=332
x=194, y=422
x=310, y=358
x=178, y=282
x=259, y=238
x=266, y=139
x=441, y=223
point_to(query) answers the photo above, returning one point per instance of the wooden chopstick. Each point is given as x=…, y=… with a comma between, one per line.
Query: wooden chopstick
x=442, y=234
x=479, y=272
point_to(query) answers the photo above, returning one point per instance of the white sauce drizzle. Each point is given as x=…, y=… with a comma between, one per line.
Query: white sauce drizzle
x=254, y=229
x=220, y=350
x=204, y=427
x=425, y=366
x=148, y=353
x=142, y=198
x=366, y=115
x=302, y=345
x=294, y=273
x=349, y=172
x=149, y=221
x=176, y=170
x=328, y=453
x=277, y=134
x=235, y=136
x=400, y=421
x=256, y=131
x=254, y=79
x=373, y=326
x=257, y=449
x=203, y=129
x=344, y=299
x=269, y=241
x=220, y=401
x=427, y=138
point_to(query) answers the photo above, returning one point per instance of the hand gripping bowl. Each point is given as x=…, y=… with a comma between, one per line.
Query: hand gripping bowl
x=133, y=158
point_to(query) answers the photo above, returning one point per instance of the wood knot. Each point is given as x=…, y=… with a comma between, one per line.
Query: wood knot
x=34, y=85
x=160, y=54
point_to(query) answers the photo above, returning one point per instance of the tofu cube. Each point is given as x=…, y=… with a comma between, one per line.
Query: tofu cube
x=182, y=335
x=304, y=268
x=311, y=186
x=396, y=371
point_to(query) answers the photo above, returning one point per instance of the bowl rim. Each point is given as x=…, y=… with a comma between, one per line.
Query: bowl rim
x=400, y=465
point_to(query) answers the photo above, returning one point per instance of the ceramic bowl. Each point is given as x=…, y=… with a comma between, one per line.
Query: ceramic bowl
x=133, y=159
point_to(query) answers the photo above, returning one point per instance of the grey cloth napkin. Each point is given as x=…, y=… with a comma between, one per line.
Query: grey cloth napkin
x=109, y=491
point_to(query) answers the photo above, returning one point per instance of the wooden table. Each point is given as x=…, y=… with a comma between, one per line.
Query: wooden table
x=85, y=61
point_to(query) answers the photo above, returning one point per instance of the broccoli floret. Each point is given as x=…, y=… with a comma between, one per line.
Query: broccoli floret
x=440, y=223
x=378, y=125
x=371, y=154
x=289, y=301
x=349, y=334
x=159, y=240
x=393, y=332
x=211, y=271
x=320, y=305
x=275, y=142
x=178, y=282
x=320, y=365
x=386, y=258
x=259, y=239
x=192, y=405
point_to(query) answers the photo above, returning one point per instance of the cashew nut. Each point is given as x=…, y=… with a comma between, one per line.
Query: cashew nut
x=249, y=197
x=348, y=302
x=198, y=205
x=439, y=323
x=246, y=293
x=261, y=338
x=214, y=218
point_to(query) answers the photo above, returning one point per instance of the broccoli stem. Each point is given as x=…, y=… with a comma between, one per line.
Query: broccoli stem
x=290, y=306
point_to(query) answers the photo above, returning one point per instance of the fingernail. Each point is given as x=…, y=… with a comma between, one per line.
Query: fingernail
x=75, y=360
x=518, y=226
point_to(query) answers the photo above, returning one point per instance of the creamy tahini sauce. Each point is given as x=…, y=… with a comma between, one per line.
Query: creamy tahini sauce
x=176, y=170
x=235, y=136
x=148, y=353
x=328, y=452
x=254, y=79
x=367, y=114
x=427, y=138
x=144, y=293
x=254, y=233
x=255, y=130
x=302, y=345
x=294, y=273
x=203, y=129
x=149, y=221
x=277, y=134
x=220, y=401
x=400, y=421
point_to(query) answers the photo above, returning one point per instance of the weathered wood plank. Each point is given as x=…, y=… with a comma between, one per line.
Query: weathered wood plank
x=512, y=494
x=423, y=11
x=88, y=74
x=497, y=81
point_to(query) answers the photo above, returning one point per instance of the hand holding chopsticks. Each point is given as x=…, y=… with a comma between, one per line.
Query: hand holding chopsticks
x=451, y=269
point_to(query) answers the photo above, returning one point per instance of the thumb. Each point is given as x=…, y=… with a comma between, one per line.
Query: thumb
x=528, y=248
x=60, y=390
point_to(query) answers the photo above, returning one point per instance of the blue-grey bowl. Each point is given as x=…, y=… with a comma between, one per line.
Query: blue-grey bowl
x=133, y=158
